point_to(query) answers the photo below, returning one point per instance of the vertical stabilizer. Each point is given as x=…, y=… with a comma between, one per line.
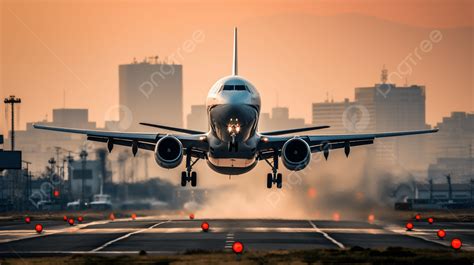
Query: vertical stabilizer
x=234, y=63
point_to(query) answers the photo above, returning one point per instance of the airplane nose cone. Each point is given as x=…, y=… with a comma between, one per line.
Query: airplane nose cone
x=233, y=122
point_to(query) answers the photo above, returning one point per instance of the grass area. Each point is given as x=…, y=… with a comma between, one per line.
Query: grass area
x=320, y=256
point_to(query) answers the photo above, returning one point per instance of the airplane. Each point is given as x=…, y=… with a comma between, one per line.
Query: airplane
x=233, y=145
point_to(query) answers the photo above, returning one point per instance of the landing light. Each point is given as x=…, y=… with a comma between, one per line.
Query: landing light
x=65, y=218
x=418, y=217
x=238, y=247
x=80, y=219
x=312, y=193
x=70, y=221
x=134, y=216
x=456, y=243
x=371, y=218
x=191, y=216
x=112, y=217
x=409, y=226
x=205, y=226
x=27, y=220
x=430, y=220
x=39, y=228
x=441, y=234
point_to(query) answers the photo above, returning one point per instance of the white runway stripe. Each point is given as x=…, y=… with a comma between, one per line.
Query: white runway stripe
x=229, y=240
x=337, y=243
x=127, y=235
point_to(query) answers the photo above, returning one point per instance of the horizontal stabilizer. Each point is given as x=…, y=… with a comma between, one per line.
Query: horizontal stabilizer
x=181, y=130
x=305, y=129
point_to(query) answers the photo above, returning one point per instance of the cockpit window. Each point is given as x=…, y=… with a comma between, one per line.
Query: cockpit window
x=240, y=87
x=234, y=87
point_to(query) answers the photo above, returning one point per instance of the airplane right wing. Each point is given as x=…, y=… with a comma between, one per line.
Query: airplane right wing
x=318, y=143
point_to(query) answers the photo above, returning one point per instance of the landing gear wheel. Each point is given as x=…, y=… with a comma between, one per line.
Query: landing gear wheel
x=279, y=180
x=269, y=180
x=184, y=178
x=193, y=179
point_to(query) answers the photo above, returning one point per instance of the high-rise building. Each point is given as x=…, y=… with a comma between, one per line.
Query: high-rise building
x=280, y=120
x=393, y=108
x=339, y=115
x=455, y=138
x=197, y=119
x=453, y=147
x=380, y=108
x=151, y=92
x=39, y=145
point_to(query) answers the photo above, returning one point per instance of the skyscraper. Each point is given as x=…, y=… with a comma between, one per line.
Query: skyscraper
x=393, y=108
x=333, y=114
x=280, y=120
x=150, y=92
x=197, y=119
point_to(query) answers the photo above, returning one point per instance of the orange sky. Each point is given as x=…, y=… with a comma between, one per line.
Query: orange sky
x=51, y=46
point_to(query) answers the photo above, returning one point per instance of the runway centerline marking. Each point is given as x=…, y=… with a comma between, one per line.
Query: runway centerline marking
x=127, y=236
x=328, y=237
x=229, y=240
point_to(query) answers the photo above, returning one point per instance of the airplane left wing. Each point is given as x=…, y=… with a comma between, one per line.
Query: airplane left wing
x=137, y=141
x=320, y=143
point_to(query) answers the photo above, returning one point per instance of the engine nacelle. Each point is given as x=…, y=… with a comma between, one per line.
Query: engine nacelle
x=295, y=154
x=169, y=152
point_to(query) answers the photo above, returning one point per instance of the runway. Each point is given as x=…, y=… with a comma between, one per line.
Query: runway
x=169, y=236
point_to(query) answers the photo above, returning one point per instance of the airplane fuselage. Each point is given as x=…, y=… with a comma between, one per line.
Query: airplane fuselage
x=233, y=109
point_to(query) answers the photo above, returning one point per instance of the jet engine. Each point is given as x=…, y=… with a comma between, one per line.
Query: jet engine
x=295, y=154
x=168, y=152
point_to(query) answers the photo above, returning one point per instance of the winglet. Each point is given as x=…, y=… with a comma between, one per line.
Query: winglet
x=234, y=64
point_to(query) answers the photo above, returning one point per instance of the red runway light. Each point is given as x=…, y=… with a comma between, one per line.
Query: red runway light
x=409, y=226
x=65, y=218
x=456, y=243
x=56, y=193
x=27, y=220
x=134, y=216
x=441, y=234
x=418, y=217
x=80, y=219
x=191, y=216
x=205, y=226
x=430, y=220
x=371, y=218
x=39, y=228
x=238, y=247
x=70, y=221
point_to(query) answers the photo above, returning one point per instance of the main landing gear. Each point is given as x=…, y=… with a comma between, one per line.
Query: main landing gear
x=189, y=175
x=274, y=177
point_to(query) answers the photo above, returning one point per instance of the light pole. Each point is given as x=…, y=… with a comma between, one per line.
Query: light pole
x=52, y=163
x=83, y=156
x=12, y=100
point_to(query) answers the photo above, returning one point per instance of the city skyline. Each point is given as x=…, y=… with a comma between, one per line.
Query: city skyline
x=318, y=59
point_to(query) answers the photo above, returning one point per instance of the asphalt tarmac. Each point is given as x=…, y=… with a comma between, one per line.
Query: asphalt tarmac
x=163, y=236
